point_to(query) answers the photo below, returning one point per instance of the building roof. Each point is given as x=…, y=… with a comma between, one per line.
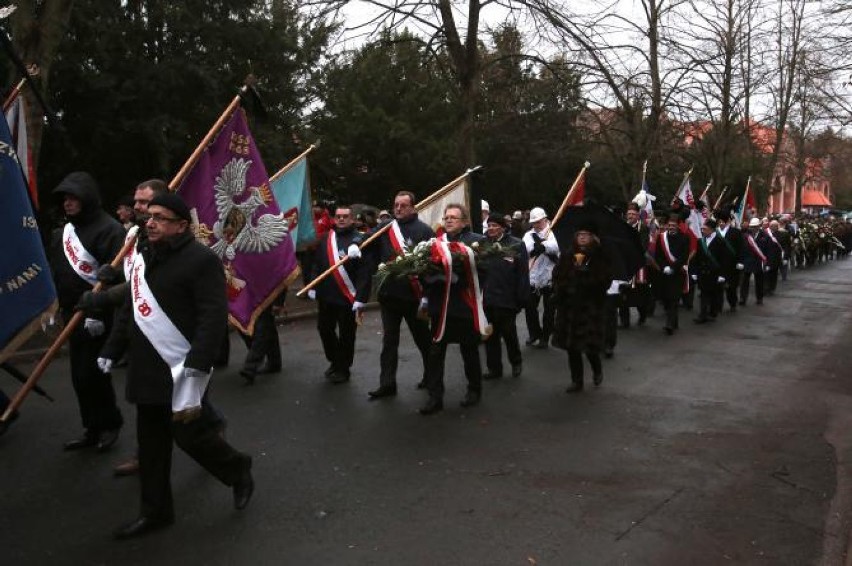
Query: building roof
x=811, y=197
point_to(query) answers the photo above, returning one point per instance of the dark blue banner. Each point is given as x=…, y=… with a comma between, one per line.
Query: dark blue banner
x=26, y=285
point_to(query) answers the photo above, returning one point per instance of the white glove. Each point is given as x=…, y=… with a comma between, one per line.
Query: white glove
x=785, y=262
x=357, y=306
x=312, y=295
x=353, y=251
x=105, y=365
x=94, y=327
x=424, y=303
x=766, y=268
x=667, y=270
x=48, y=320
x=694, y=277
x=720, y=279
x=188, y=389
x=740, y=267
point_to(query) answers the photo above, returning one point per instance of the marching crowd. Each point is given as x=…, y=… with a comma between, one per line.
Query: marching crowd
x=165, y=312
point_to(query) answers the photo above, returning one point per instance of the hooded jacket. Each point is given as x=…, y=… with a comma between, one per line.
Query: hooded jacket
x=101, y=235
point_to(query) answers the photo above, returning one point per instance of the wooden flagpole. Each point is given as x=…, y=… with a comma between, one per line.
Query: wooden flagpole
x=707, y=188
x=419, y=206
x=13, y=95
x=291, y=164
x=719, y=200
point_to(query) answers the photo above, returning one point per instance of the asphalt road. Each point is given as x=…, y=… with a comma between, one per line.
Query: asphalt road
x=727, y=443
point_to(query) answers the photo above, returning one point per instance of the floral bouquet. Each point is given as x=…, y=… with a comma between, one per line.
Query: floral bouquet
x=424, y=259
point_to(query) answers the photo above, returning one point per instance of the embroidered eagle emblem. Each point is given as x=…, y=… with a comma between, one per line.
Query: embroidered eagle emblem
x=236, y=229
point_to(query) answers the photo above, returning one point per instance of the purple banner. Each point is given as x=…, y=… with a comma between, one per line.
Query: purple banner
x=235, y=214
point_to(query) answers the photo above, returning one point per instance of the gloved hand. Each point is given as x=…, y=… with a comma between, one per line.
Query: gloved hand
x=91, y=301
x=48, y=320
x=109, y=274
x=94, y=327
x=353, y=251
x=720, y=279
x=424, y=303
x=785, y=262
x=537, y=249
x=104, y=364
x=668, y=270
x=312, y=294
x=766, y=268
x=357, y=306
x=740, y=267
x=694, y=277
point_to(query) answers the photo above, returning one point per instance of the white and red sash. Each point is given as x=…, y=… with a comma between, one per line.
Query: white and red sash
x=670, y=257
x=82, y=262
x=774, y=240
x=131, y=255
x=755, y=248
x=471, y=294
x=161, y=332
x=341, y=276
x=397, y=241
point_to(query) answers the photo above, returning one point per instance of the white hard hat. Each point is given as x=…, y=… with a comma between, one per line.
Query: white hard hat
x=537, y=214
x=754, y=222
x=485, y=206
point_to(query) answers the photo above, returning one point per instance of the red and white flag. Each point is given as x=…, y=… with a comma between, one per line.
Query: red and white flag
x=16, y=117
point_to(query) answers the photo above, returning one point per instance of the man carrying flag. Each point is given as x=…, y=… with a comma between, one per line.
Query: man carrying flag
x=341, y=297
x=400, y=298
x=89, y=239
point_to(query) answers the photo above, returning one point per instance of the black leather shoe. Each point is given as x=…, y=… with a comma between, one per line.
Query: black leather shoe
x=339, y=377
x=432, y=406
x=517, y=369
x=530, y=341
x=107, y=440
x=492, y=375
x=244, y=488
x=597, y=379
x=471, y=399
x=668, y=330
x=575, y=387
x=421, y=384
x=701, y=320
x=608, y=353
x=382, y=391
x=329, y=371
x=86, y=441
x=141, y=526
x=541, y=344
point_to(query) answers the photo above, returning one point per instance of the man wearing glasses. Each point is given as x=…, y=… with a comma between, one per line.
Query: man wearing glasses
x=172, y=323
x=400, y=298
x=453, y=320
x=341, y=297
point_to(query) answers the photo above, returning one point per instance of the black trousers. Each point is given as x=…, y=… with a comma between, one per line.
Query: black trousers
x=711, y=297
x=503, y=323
x=771, y=281
x=457, y=331
x=544, y=328
x=575, y=362
x=263, y=344
x=95, y=393
x=393, y=313
x=732, y=287
x=336, y=325
x=670, y=304
x=200, y=439
x=639, y=296
x=758, y=286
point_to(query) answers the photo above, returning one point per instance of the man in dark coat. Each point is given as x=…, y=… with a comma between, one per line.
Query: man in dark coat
x=340, y=297
x=733, y=240
x=400, y=298
x=756, y=247
x=672, y=253
x=708, y=265
x=458, y=318
x=638, y=294
x=505, y=295
x=90, y=239
x=775, y=256
x=175, y=308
